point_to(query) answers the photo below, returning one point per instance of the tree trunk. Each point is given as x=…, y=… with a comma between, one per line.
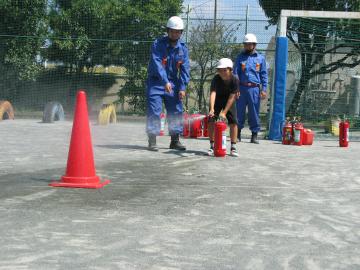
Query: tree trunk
x=200, y=94
x=306, y=66
x=201, y=88
x=300, y=89
x=205, y=105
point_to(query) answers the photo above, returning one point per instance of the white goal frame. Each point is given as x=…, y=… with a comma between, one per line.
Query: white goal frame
x=286, y=13
x=278, y=91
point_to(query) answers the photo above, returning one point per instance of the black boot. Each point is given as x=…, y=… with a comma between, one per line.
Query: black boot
x=254, y=138
x=239, y=135
x=152, y=143
x=176, y=144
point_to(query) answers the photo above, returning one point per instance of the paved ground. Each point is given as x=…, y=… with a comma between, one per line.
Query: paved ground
x=274, y=207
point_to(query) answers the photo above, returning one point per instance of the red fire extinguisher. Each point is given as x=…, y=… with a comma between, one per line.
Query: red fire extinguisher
x=344, y=126
x=186, y=125
x=162, y=124
x=195, y=127
x=206, y=126
x=220, y=139
x=298, y=132
x=287, y=136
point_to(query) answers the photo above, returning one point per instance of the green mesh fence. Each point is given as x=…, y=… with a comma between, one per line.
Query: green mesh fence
x=103, y=47
x=323, y=61
x=50, y=49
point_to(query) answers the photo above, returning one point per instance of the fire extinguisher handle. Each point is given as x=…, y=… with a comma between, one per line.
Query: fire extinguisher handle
x=222, y=119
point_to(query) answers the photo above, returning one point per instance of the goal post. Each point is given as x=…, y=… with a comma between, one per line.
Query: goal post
x=278, y=93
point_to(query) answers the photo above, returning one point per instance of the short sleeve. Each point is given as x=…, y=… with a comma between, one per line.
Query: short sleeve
x=235, y=85
x=213, y=85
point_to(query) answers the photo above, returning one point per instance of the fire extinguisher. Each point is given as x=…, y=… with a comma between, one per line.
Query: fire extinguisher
x=298, y=132
x=206, y=126
x=195, y=127
x=186, y=125
x=220, y=139
x=287, y=136
x=162, y=124
x=344, y=126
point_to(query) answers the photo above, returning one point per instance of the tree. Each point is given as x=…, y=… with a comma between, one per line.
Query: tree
x=86, y=33
x=313, y=40
x=81, y=32
x=207, y=45
x=23, y=26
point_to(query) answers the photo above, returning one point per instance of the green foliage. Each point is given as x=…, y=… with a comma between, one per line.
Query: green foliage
x=23, y=26
x=81, y=34
x=73, y=25
x=105, y=32
x=133, y=93
x=86, y=33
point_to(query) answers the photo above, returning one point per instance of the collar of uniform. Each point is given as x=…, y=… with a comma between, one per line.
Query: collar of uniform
x=255, y=53
x=168, y=43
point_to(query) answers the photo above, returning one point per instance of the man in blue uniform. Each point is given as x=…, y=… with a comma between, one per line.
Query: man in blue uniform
x=168, y=76
x=250, y=66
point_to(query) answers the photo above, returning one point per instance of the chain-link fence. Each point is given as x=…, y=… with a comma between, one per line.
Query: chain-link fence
x=78, y=49
x=49, y=49
x=322, y=73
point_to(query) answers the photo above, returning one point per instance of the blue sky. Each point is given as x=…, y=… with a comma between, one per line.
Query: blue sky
x=235, y=10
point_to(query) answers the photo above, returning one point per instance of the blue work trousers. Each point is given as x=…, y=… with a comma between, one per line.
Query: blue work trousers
x=156, y=95
x=250, y=98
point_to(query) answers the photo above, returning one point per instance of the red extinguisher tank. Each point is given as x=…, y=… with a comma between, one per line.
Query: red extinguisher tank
x=206, y=126
x=344, y=133
x=195, y=127
x=220, y=139
x=162, y=124
x=287, y=136
x=298, y=133
x=186, y=125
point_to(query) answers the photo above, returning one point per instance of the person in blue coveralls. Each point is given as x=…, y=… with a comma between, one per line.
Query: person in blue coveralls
x=250, y=66
x=168, y=76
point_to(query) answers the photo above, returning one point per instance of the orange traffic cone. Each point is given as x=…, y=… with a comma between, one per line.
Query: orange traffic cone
x=80, y=170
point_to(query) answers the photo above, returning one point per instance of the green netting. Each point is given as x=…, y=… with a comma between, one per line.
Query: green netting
x=51, y=48
x=323, y=58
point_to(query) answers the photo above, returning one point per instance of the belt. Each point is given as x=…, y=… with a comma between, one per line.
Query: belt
x=249, y=84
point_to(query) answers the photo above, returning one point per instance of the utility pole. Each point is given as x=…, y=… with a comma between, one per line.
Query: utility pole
x=247, y=19
x=187, y=24
x=215, y=15
x=187, y=40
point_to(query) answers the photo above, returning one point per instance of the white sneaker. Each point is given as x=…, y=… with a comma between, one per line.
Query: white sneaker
x=233, y=152
x=211, y=152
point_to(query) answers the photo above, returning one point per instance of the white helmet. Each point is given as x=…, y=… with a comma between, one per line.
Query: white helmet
x=225, y=63
x=175, y=23
x=250, y=38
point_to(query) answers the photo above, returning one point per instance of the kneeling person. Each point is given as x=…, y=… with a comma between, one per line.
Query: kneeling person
x=223, y=92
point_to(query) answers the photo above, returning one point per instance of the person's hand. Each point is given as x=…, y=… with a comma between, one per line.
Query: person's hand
x=211, y=113
x=263, y=94
x=182, y=94
x=168, y=87
x=222, y=115
x=237, y=95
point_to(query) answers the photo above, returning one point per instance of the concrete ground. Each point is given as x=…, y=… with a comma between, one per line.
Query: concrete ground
x=273, y=207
